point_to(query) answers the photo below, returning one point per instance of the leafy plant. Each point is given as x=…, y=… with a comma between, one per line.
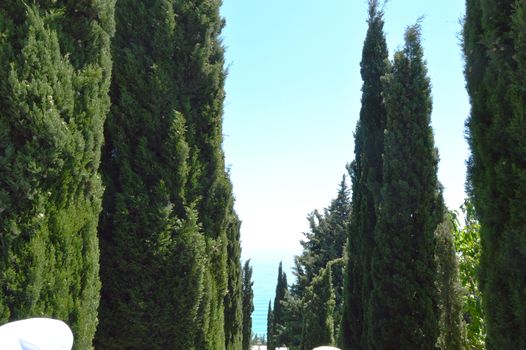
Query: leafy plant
x=468, y=247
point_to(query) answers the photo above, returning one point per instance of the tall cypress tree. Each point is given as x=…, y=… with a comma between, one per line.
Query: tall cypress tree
x=278, y=312
x=248, y=305
x=55, y=72
x=403, y=305
x=234, y=297
x=169, y=204
x=495, y=51
x=199, y=58
x=270, y=327
x=366, y=174
x=149, y=237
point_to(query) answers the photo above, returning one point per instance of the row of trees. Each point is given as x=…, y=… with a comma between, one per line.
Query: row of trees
x=313, y=317
x=169, y=238
x=397, y=202
x=308, y=313
x=390, y=299
x=411, y=268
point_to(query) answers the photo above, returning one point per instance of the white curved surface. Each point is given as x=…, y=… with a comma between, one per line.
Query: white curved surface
x=325, y=348
x=36, y=334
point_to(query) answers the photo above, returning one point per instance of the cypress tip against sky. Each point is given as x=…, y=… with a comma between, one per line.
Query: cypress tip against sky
x=293, y=99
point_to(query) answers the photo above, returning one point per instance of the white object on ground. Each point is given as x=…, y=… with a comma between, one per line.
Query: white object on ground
x=36, y=334
x=325, y=348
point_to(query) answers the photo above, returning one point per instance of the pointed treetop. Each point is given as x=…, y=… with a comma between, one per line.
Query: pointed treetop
x=373, y=8
x=413, y=39
x=376, y=9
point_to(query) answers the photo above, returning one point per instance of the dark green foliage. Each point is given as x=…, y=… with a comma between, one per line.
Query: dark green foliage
x=144, y=217
x=366, y=175
x=292, y=319
x=352, y=322
x=451, y=324
x=402, y=312
x=248, y=305
x=55, y=72
x=200, y=64
x=318, y=309
x=277, y=328
x=322, y=249
x=337, y=267
x=278, y=324
x=325, y=243
x=270, y=327
x=326, y=240
x=234, y=297
x=495, y=52
x=168, y=208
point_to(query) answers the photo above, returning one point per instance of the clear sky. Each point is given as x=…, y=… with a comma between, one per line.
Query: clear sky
x=293, y=100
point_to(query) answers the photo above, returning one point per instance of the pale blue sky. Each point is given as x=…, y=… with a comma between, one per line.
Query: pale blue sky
x=293, y=99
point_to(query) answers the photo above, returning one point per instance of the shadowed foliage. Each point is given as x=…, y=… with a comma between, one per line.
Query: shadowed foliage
x=169, y=236
x=366, y=175
x=495, y=55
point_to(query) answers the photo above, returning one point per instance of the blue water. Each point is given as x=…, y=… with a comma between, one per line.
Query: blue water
x=265, y=265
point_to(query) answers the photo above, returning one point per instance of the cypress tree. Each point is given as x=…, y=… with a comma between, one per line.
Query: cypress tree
x=199, y=58
x=495, y=52
x=451, y=325
x=318, y=309
x=270, y=327
x=403, y=304
x=55, y=69
x=248, y=305
x=166, y=183
x=234, y=297
x=156, y=235
x=278, y=325
x=366, y=175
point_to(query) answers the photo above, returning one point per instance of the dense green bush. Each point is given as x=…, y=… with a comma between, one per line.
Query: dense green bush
x=55, y=72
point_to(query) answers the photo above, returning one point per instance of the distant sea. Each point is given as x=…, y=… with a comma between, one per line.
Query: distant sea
x=265, y=263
